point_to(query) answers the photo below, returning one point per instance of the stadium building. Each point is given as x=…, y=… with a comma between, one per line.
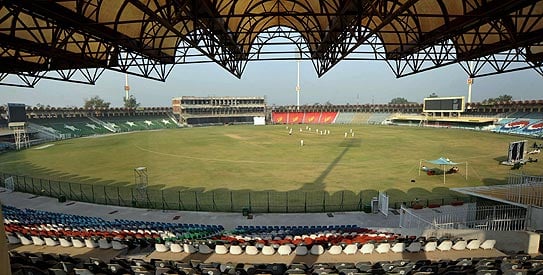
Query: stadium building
x=122, y=229
x=193, y=110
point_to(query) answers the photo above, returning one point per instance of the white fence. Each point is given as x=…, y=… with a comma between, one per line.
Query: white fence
x=383, y=203
x=525, y=189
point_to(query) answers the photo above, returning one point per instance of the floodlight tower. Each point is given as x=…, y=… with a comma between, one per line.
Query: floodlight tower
x=470, y=81
x=298, y=89
x=126, y=87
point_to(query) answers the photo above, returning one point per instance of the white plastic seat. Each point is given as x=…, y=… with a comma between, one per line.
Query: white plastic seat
x=382, y=248
x=118, y=245
x=103, y=243
x=268, y=250
x=350, y=249
x=460, y=245
x=473, y=244
x=413, y=247
x=301, y=250
x=284, y=250
x=160, y=247
x=204, y=249
x=398, y=247
x=430, y=246
x=90, y=243
x=335, y=250
x=488, y=244
x=176, y=248
x=189, y=248
x=13, y=239
x=221, y=249
x=367, y=248
x=251, y=250
x=50, y=242
x=37, y=240
x=65, y=242
x=78, y=243
x=317, y=249
x=24, y=240
x=235, y=250
x=445, y=245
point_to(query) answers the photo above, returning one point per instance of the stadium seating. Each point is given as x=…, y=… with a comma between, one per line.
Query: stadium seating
x=29, y=263
x=378, y=118
x=460, y=245
x=35, y=227
x=488, y=244
x=361, y=118
x=445, y=245
x=85, y=126
x=344, y=118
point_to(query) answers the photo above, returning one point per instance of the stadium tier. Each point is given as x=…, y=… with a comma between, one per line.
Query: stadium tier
x=138, y=247
x=361, y=118
x=87, y=126
x=71, y=127
x=43, y=228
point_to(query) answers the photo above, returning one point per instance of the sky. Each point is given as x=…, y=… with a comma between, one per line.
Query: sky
x=349, y=82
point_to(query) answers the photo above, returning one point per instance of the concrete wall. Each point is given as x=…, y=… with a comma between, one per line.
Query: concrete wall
x=536, y=218
x=515, y=241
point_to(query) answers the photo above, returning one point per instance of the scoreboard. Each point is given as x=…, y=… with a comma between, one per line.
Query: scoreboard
x=17, y=112
x=444, y=104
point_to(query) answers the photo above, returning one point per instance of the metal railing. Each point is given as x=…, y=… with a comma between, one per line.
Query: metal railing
x=470, y=216
x=296, y=201
x=190, y=200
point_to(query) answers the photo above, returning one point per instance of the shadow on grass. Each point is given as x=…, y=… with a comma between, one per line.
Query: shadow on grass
x=500, y=159
x=493, y=181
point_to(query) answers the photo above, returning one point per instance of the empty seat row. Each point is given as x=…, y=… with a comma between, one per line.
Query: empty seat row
x=38, y=264
x=318, y=249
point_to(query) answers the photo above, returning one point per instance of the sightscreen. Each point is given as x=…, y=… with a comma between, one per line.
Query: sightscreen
x=16, y=112
x=444, y=104
x=516, y=151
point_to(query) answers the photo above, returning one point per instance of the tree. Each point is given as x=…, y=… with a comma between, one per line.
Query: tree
x=398, y=100
x=504, y=98
x=95, y=102
x=130, y=102
x=501, y=98
x=39, y=105
x=433, y=95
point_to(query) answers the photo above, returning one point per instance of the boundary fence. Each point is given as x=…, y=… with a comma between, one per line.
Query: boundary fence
x=195, y=200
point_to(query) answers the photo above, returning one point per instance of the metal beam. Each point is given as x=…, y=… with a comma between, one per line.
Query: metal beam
x=58, y=59
x=485, y=14
x=70, y=20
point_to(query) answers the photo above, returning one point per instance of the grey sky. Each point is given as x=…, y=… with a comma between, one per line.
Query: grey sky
x=349, y=82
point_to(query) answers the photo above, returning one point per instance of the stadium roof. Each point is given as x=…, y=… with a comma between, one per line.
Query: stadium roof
x=76, y=40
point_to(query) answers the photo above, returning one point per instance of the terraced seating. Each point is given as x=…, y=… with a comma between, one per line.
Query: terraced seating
x=47, y=228
x=361, y=118
x=29, y=263
x=43, y=228
x=344, y=118
x=378, y=118
x=72, y=127
x=139, y=123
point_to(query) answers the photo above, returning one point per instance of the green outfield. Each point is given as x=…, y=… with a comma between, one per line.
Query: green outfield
x=262, y=158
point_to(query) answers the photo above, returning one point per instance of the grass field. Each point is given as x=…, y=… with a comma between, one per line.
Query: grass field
x=233, y=158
